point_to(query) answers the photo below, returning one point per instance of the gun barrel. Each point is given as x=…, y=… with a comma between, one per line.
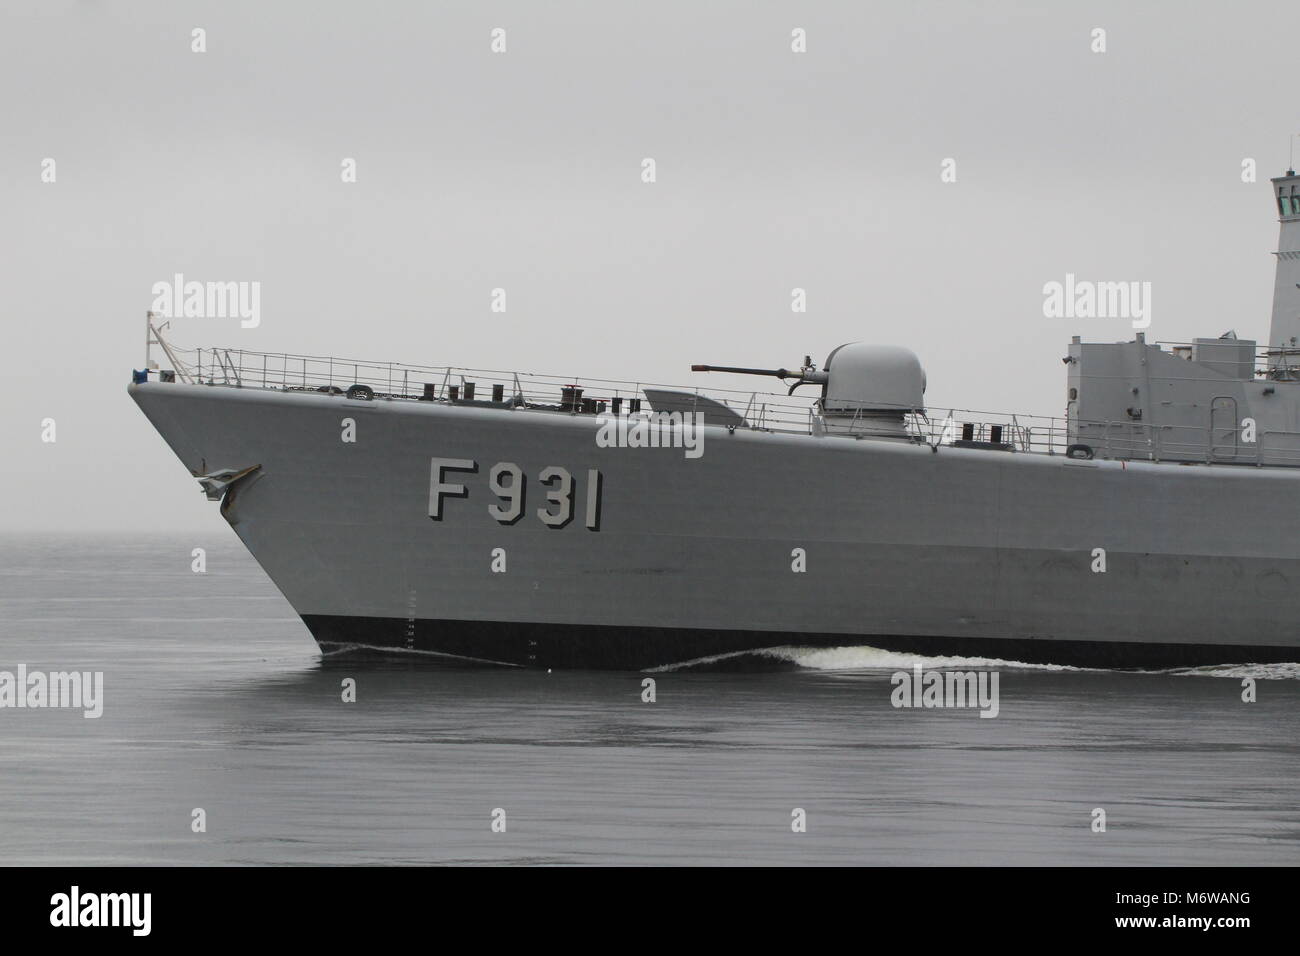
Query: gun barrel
x=774, y=372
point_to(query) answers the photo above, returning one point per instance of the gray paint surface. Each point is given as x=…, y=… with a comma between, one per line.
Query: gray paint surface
x=899, y=539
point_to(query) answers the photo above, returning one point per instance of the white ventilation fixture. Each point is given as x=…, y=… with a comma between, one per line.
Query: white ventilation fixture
x=870, y=389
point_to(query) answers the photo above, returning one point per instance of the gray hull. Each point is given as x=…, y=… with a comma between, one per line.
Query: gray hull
x=964, y=551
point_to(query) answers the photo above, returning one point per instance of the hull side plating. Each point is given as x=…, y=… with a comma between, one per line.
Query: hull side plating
x=962, y=551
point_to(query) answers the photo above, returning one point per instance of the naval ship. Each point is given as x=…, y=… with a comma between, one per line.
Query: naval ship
x=531, y=520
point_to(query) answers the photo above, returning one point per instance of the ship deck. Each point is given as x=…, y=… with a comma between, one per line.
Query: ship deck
x=756, y=410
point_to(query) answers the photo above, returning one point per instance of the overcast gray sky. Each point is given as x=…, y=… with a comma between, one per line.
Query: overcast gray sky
x=521, y=170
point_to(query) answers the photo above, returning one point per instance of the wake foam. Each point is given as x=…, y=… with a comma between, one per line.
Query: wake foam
x=873, y=658
x=851, y=658
x=865, y=657
x=1287, y=671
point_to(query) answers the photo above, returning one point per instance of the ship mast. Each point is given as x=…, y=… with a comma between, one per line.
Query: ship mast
x=1284, y=333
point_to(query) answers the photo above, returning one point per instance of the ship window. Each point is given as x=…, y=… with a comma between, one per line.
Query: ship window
x=1283, y=204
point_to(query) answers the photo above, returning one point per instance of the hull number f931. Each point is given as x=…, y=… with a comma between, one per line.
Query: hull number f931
x=506, y=480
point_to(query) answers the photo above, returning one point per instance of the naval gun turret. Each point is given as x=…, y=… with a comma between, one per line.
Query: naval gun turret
x=867, y=390
x=871, y=389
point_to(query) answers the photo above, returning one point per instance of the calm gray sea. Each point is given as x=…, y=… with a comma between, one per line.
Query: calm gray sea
x=215, y=697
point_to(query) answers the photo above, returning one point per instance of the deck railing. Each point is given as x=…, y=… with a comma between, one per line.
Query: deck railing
x=768, y=411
